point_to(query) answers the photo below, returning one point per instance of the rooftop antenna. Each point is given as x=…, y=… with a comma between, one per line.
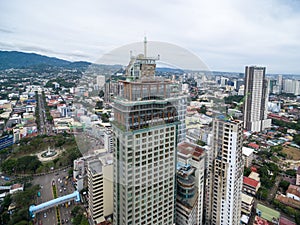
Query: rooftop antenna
x=145, y=46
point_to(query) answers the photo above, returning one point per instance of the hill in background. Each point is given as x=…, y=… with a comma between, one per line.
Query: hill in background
x=19, y=60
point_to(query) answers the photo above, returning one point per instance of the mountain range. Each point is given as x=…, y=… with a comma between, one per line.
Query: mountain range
x=22, y=60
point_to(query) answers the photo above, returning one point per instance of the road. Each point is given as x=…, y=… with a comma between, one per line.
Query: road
x=45, y=126
x=47, y=194
x=65, y=187
x=272, y=192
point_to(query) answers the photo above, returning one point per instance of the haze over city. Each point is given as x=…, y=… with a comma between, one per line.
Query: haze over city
x=226, y=35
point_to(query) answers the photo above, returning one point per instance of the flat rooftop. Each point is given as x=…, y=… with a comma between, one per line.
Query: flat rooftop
x=267, y=213
x=186, y=148
x=247, y=151
x=95, y=166
x=247, y=199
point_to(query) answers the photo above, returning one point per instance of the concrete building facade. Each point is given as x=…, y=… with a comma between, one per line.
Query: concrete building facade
x=145, y=131
x=190, y=184
x=227, y=173
x=256, y=99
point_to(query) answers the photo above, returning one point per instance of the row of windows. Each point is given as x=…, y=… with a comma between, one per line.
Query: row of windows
x=167, y=129
x=144, y=163
x=158, y=141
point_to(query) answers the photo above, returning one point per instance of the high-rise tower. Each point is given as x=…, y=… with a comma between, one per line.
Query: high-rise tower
x=227, y=178
x=256, y=99
x=145, y=132
x=280, y=83
x=190, y=184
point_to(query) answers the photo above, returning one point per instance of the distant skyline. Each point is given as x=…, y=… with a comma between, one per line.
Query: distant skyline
x=226, y=35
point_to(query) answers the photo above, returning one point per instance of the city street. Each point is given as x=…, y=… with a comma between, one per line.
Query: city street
x=46, y=127
x=46, y=195
x=63, y=188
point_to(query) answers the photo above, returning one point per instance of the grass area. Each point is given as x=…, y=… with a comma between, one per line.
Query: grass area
x=57, y=215
x=54, y=190
x=41, y=143
x=19, y=160
x=292, y=153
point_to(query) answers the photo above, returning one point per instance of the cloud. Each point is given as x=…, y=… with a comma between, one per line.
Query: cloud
x=3, y=30
x=226, y=34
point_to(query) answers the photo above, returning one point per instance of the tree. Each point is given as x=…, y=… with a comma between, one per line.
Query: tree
x=76, y=210
x=202, y=109
x=23, y=222
x=276, y=148
x=266, y=180
x=28, y=163
x=77, y=219
x=5, y=218
x=291, y=172
x=273, y=167
x=233, y=98
x=297, y=139
x=6, y=201
x=99, y=105
x=9, y=165
x=84, y=221
x=201, y=143
x=262, y=193
x=60, y=142
x=105, y=118
x=25, y=198
x=247, y=171
x=101, y=94
x=284, y=185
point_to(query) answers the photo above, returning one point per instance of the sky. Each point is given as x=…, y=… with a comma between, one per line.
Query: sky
x=226, y=35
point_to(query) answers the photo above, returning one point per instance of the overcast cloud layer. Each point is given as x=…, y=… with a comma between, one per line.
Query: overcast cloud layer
x=225, y=34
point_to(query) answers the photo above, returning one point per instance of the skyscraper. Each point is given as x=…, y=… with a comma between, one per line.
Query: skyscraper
x=100, y=81
x=190, y=184
x=145, y=132
x=280, y=83
x=227, y=176
x=100, y=189
x=256, y=99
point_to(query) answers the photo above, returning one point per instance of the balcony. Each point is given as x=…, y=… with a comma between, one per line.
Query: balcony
x=188, y=182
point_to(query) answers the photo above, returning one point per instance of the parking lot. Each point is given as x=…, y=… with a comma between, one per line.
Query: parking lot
x=64, y=187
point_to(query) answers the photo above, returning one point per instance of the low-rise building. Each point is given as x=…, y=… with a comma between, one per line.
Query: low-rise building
x=267, y=213
x=95, y=187
x=254, y=176
x=97, y=168
x=248, y=156
x=15, y=188
x=244, y=219
x=293, y=192
x=298, y=176
x=190, y=184
x=285, y=221
x=250, y=186
x=247, y=204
